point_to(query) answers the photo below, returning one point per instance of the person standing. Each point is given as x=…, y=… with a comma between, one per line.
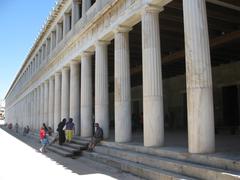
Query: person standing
x=61, y=132
x=43, y=139
x=45, y=127
x=70, y=128
x=16, y=127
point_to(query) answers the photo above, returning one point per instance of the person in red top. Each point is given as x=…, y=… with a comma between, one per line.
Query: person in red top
x=43, y=139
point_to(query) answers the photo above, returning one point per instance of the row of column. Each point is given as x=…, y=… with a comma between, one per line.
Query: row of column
x=59, y=97
x=51, y=41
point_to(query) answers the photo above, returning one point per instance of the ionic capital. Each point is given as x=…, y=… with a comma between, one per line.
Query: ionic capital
x=75, y=62
x=101, y=42
x=66, y=68
x=86, y=54
x=122, y=29
x=58, y=73
x=149, y=8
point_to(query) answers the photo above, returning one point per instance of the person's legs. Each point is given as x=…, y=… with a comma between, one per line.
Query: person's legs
x=67, y=135
x=41, y=148
x=70, y=135
x=60, y=139
x=44, y=148
x=90, y=146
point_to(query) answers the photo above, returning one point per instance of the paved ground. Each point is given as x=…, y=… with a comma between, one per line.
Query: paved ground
x=20, y=159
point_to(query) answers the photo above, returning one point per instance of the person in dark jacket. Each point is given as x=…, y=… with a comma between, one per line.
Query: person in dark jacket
x=97, y=137
x=45, y=127
x=61, y=132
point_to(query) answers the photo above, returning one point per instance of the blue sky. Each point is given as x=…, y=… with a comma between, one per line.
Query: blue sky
x=20, y=22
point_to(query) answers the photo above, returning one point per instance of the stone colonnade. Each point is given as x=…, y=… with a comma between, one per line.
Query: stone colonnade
x=69, y=92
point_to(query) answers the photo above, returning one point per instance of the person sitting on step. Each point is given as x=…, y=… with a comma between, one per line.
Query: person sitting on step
x=97, y=137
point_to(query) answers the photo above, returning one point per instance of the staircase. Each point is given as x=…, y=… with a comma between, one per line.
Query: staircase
x=72, y=149
x=154, y=163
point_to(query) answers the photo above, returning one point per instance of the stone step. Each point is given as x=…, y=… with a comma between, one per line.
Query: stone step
x=221, y=161
x=74, y=146
x=67, y=149
x=82, y=138
x=135, y=168
x=176, y=166
x=80, y=142
x=59, y=151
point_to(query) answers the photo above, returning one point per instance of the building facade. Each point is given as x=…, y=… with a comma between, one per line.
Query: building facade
x=107, y=60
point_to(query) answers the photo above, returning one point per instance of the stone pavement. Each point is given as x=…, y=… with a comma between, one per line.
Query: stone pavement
x=20, y=159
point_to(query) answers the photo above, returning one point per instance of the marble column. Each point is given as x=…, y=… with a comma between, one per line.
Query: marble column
x=65, y=93
x=29, y=109
x=57, y=99
x=35, y=109
x=51, y=103
x=86, y=4
x=38, y=107
x=44, y=52
x=75, y=11
x=122, y=86
x=86, y=95
x=46, y=96
x=75, y=94
x=101, y=87
x=201, y=138
x=59, y=32
x=66, y=23
x=37, y=62
x=26, y=111
x=32, y=109
x=42, y=105
x=48, y=46
x=53, y=40
x=152, y=78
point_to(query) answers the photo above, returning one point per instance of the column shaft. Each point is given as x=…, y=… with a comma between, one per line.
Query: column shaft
x=65, y=93
x=42, y=105
x=75, y=94
x=152, y=78
x=53, y=40
x=122, y=87
x=75, y=11
x=66, y=23
x=201, y=137
x=57, y=100
x=46, y=97
x=38, y=107
x=86, y=4
x=35, y=111
x=51, y=103
x=86, y=95
x=59, y=32
x=101, y=87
